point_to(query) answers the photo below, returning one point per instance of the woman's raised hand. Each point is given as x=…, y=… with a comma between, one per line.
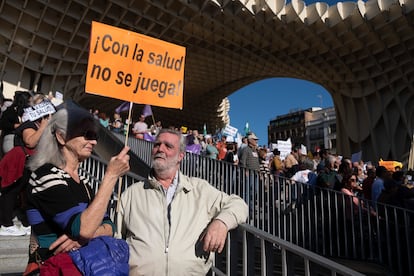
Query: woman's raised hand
x=119, y=164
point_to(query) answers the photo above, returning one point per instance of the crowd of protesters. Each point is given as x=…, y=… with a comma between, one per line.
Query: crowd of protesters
x=320, y=168
x=323, y=169
x=287, y=181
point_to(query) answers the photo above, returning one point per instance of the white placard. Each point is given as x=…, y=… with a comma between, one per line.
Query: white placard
x=38, y=111
x=303, y=150
x=285, y=147
x=58, y=95
x=230, y=131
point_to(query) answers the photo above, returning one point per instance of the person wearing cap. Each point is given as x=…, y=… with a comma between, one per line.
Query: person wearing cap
x=249, y=156
x=63, y=211
x=174, y=223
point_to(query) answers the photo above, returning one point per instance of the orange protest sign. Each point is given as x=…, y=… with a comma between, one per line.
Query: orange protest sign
x=134, y=67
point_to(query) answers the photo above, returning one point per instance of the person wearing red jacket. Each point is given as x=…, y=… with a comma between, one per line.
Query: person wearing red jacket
x=222, y=147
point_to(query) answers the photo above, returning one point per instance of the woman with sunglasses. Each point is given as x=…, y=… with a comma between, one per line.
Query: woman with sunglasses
x=63, y=210
x=351, y=188
x=350, y=210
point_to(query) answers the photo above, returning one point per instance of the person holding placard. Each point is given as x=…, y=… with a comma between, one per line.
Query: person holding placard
x=12, y=173
x=11, y=118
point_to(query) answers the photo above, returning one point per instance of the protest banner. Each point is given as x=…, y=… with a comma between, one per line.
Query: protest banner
x=134, y=67
x=303, y=150
x=183, y=129
x=230, y=131
x=285, y=147
x=38, y=111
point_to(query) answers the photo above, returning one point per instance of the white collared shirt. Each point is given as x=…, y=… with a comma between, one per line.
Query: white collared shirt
x=170, y=191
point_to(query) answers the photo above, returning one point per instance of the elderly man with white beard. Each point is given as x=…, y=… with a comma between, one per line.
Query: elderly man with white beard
x=171, y=221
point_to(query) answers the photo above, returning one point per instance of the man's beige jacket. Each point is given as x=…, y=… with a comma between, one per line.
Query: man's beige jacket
x=162, y=246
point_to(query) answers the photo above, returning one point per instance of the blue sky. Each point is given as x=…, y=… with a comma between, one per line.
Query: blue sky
x=262, y=101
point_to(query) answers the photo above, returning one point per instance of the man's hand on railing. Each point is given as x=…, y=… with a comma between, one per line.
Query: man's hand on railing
x=215, y=236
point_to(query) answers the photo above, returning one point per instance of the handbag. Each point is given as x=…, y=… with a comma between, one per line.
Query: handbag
x=103, y=255
x=60, y=264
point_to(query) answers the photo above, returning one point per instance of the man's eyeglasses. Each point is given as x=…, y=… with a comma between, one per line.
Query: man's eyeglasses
x=90, y=135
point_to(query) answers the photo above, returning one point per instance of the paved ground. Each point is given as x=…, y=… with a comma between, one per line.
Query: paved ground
x=13, y=254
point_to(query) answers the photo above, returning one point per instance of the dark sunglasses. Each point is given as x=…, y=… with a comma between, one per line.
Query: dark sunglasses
x=352, y=179
x=90, y=135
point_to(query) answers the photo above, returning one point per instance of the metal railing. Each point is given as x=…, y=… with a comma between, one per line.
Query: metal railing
x=323, y=221
x=248, y=251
